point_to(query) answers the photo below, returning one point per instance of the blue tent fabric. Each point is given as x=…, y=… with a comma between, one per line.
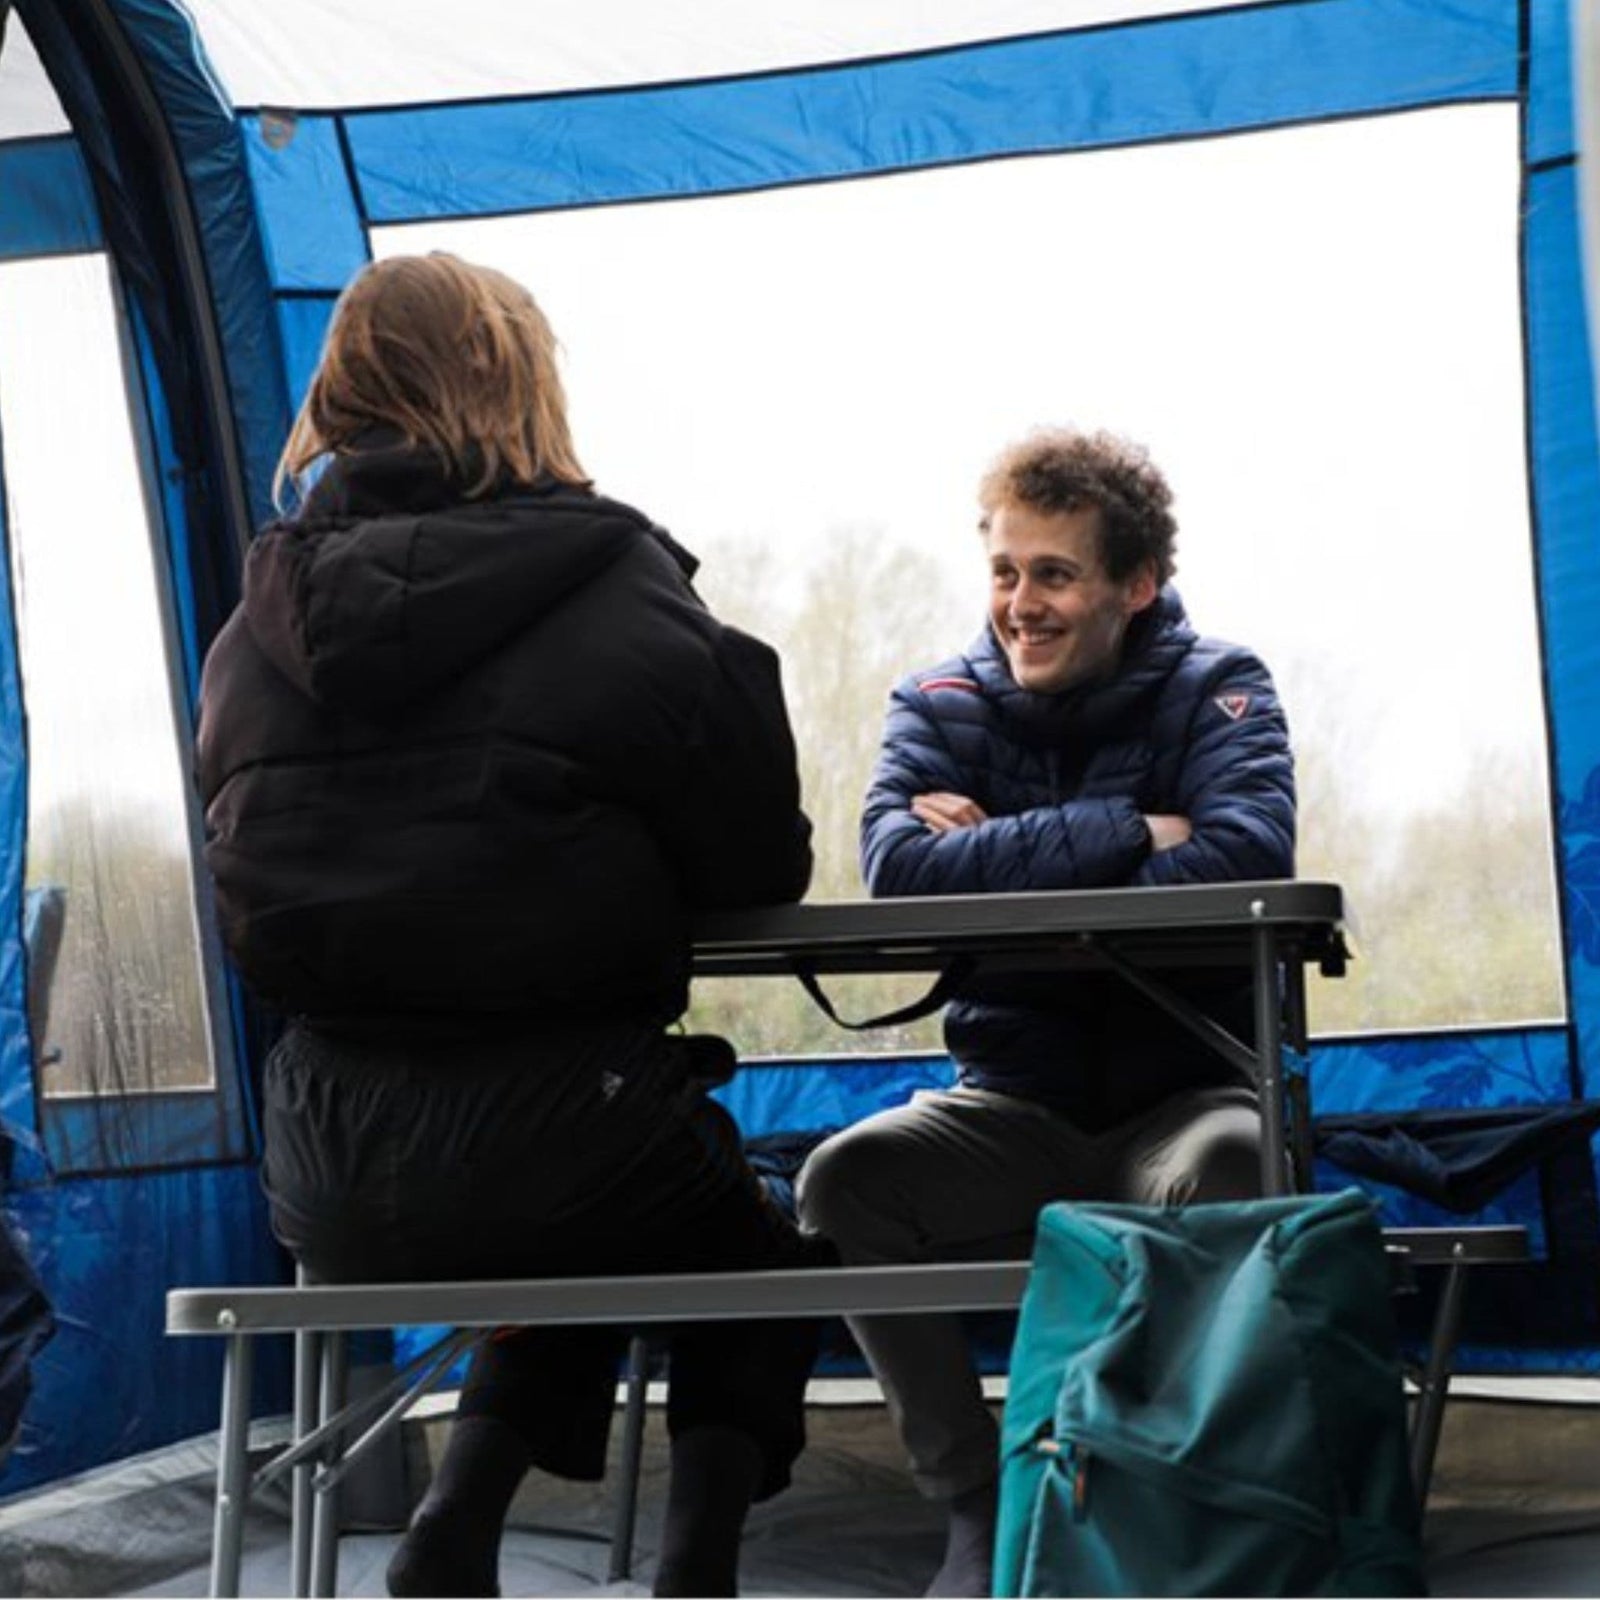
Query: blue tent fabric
x=314, y=232
x=50, y=208
x=110, y=1384
x=1249, y=67
x=26, y=1325
x=207, y=139
x=1457, y=1159
x=779, y=1098
x=1462, y=1068
x=284, y=203
x=19, y=1144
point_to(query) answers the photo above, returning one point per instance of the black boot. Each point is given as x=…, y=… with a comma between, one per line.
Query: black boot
x=715, y=1472
x=452, y=1547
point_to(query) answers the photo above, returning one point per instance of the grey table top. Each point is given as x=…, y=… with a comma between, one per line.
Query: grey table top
x=1180, y=924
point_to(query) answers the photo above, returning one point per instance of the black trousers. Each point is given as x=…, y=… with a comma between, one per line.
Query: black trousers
x=497, y=1152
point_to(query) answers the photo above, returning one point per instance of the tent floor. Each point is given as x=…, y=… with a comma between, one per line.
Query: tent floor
x=1516, y=1512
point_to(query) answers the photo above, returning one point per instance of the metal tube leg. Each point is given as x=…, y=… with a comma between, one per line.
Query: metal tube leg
x=622, y=1523
x=1269, y=1055
x=307, y=1385
x=325, y=1509
x=227, y=1539
x=1434, y=1387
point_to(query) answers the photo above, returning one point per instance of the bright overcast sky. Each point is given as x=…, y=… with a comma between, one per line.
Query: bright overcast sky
x=1315, y=331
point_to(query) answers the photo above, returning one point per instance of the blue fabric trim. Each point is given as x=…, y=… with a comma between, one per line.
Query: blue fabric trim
x=1203, y=73
x=795, y=1096
x=48, y=207
x=1551, y=126
x=114, y=1134
x=1568, y=1360
x=302, y=326
x=166, y=480
x=1565, y=458
x=1440, y=1070
x=20, y=1151
x=313, y=230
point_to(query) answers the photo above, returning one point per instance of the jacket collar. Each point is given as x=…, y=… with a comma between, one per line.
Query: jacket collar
x=381, y=474
x=1155, y=641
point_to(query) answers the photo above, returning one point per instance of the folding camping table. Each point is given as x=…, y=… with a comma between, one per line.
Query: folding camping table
x=1268, y=930
x=1271, y=930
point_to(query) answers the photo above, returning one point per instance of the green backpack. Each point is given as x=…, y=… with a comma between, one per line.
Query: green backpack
x=1207, y=1401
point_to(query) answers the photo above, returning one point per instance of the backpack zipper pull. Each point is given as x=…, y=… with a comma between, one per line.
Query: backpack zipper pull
x=1074, y=1458
x=1078, y=1467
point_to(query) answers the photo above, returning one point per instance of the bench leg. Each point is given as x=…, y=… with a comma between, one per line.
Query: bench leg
x=307, y=1380
x=325, y=1511
x=227, y=1540
x=622, y=1523
x=1434, y=1386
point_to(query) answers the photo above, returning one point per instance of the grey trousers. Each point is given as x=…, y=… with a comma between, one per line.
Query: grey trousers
x=961, y=1174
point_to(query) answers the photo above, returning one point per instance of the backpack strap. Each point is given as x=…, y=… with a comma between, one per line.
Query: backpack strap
x=944, y=987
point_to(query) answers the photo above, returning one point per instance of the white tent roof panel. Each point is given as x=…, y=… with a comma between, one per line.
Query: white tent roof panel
x=323, y=54
x=28, y=105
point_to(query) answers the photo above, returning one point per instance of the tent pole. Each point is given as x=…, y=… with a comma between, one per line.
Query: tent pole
x=1586, y=112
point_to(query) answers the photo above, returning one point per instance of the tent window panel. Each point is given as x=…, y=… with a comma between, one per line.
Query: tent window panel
x=117, y=992
x=1315, y=330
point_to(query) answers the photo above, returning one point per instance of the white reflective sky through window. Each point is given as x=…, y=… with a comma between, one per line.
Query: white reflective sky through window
x=1316, y=332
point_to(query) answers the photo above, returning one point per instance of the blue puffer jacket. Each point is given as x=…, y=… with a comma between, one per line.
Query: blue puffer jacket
x=1187, y=725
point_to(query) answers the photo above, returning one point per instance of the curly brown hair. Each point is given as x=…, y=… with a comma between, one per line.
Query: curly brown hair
x=1063, y=469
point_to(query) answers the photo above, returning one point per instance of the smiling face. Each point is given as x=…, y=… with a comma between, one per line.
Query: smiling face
x=1058, y=617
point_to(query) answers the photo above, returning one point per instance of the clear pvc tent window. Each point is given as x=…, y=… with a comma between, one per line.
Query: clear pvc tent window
x=117, y=988
x=1315, y=330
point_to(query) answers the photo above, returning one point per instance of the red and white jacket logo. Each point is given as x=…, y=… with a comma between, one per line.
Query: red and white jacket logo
x=1232, y=706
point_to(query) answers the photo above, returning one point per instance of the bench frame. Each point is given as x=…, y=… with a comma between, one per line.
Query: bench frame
x=330, y=1435
x=1269, y=930
x=321, y=1315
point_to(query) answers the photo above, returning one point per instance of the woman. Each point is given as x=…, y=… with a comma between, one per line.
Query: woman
x=472, y=751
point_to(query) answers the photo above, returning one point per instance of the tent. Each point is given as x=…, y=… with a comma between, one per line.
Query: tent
x=186, y=185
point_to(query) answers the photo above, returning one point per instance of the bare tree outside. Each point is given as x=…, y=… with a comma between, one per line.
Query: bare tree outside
x=117, y=1014
x=865, y=613
x=1454, y=897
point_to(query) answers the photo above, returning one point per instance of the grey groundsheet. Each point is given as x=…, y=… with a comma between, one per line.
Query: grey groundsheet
x=1515, y=1511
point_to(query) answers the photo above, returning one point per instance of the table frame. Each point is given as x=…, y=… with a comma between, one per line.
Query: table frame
x=1270, y=929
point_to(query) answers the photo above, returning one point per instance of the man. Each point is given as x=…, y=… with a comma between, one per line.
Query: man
x=1089, y=738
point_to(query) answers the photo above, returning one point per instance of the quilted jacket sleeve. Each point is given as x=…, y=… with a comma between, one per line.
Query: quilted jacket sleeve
x=1236, y=784
x=734, y=827
x=1079, y=844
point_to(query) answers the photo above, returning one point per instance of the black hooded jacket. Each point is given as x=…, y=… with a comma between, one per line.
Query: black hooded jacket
x=484, y=757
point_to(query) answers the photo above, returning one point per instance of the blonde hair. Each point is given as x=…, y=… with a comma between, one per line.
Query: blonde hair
x=458, y=358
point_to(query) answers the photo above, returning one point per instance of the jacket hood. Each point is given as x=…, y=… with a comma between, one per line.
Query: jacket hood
x=1156, y=640
x=388, y=584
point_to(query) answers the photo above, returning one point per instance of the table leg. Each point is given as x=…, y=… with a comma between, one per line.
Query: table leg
x=1269, y=1055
